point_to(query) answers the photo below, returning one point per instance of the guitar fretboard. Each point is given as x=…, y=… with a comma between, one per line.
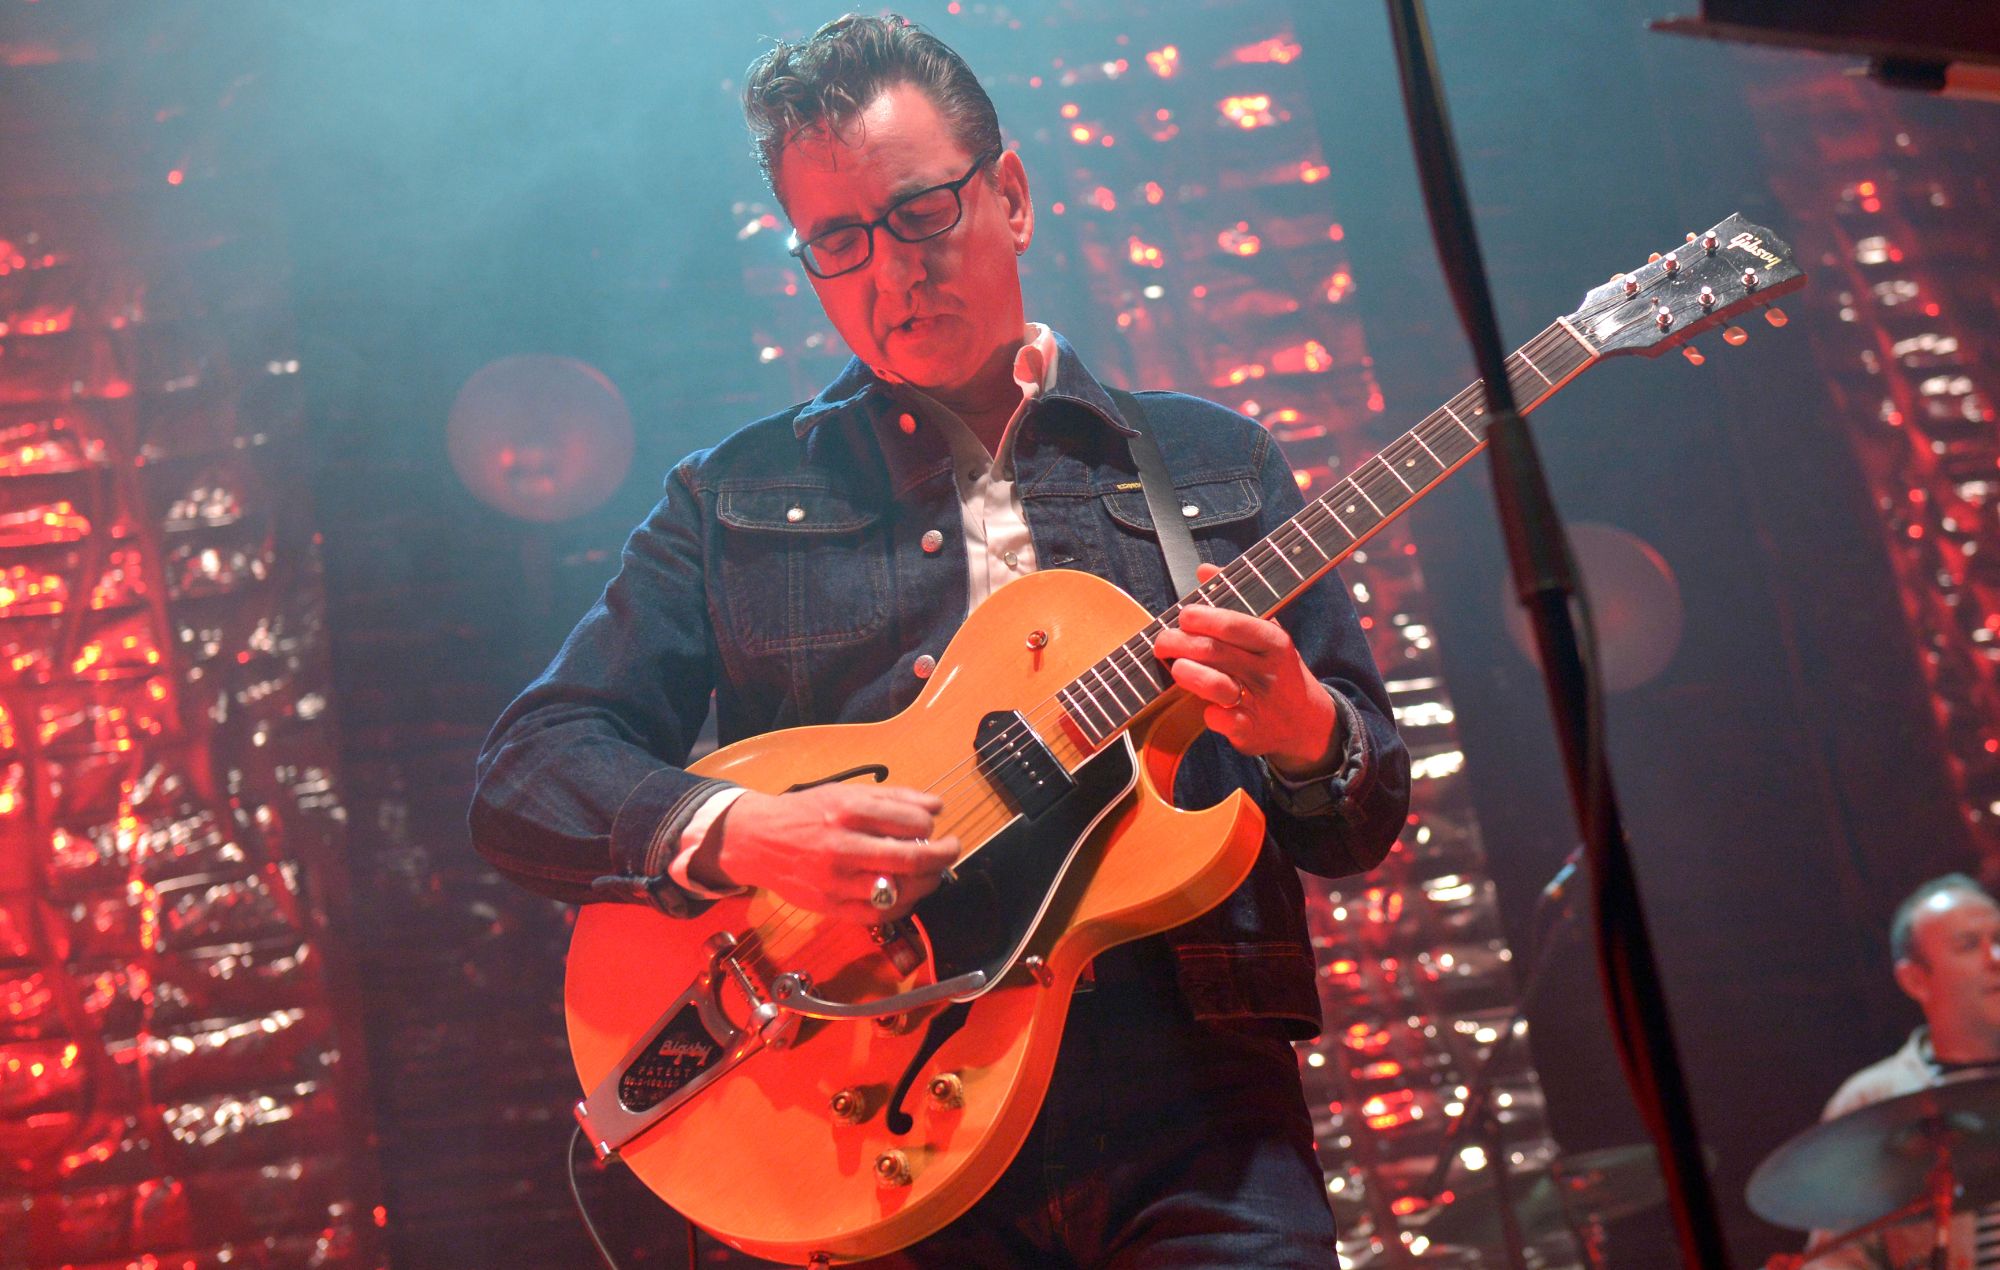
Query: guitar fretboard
x=1108, y=696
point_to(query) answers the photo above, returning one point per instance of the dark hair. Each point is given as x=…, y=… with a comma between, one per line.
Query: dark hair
x=824, y=81
x=1901, y=926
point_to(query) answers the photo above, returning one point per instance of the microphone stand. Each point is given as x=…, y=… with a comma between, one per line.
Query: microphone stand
x=1545, y=583
x=1478, y=1109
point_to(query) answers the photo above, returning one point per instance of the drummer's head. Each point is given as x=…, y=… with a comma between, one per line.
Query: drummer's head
x=1945, y=940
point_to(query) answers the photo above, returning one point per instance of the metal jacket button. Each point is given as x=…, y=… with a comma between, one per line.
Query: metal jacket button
x=933, y=541
x=924, y=666
x=796, y=514
x=1189, y=509
x=908, y=423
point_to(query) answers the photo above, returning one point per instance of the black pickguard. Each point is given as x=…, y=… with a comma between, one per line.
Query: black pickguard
x=981, y=920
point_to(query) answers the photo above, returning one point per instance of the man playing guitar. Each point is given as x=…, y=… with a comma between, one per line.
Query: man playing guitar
x=809, y=569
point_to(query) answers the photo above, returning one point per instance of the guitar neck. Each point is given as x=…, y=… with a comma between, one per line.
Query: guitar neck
x=1107, y=697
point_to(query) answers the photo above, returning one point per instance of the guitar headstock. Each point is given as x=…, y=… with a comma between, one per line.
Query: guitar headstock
x=1705, y=282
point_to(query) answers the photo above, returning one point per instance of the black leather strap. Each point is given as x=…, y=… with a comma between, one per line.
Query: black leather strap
x=1176, y=540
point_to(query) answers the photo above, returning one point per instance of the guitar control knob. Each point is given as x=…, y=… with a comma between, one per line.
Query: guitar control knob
x=947, y=1091
x=849, y=1105
x=892, y=1168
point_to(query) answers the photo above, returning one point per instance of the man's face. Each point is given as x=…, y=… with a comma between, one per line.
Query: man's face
x=1954, y=968
x=931, y=314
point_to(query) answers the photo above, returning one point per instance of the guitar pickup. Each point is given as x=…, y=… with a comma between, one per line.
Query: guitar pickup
x=1012, y=755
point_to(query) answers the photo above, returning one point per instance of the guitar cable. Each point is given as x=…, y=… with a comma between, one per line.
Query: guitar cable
x=590, y=1227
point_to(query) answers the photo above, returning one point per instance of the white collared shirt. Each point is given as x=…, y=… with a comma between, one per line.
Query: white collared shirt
x=998, y=548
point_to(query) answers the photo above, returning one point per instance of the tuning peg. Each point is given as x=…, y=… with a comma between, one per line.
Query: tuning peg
x=1690, y=236
x=1709, y=242
x=1650, y=259
x=1707, y=298
x=1664, y=318
x=1694, y=355
x=1631, y=285
x=1750, y=279
x=1672, y=265
x=1734, y=335
x=1775, y=316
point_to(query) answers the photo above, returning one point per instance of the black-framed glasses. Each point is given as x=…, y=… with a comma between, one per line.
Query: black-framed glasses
x=925, y=214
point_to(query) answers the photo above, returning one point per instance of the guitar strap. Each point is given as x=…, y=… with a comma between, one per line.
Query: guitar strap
x=1176, y=540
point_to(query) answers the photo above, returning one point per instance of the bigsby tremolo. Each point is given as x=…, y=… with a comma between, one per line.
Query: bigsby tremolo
x=688, y=1047
x=694, y=1042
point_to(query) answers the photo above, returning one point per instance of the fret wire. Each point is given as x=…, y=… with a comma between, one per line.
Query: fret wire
x=1364, y=494
x=1392, y=471
x=1446, y=438
x=1223, y=578
x=1090, y=699
x=1136, y=690
x=1081, y=717
x=1460, y=422
x=1270, y=549
x=1416, y=435
x=1390, y=498
x=1336, y=520
x=1319, y=509
x=1107, y=704
x=1284, y=558
x=1538, y=370
x=1112, y=688
x=1147, y=666
x=1407, y=458
x=1244, y=560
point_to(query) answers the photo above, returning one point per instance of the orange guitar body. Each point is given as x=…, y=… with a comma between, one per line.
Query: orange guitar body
x=788, y=1153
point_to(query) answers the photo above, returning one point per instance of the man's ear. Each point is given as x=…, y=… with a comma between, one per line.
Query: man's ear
x=1020, y=204
x=1914, y=979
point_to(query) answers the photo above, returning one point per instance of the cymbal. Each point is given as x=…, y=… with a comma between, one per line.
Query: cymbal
x=1614, y=1182
x=1869, y=1163
x=1592, y=1186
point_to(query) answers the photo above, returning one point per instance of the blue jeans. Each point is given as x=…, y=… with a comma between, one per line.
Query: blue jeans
x=1163, y=1143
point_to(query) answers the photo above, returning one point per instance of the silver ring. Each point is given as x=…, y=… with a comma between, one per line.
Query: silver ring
x=884, y=895
x=1239, y=694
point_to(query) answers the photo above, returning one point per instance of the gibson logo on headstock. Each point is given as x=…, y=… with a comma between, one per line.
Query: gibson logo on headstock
x=1755, y=246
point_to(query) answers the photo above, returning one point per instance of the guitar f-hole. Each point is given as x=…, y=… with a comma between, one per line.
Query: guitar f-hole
x=941, y=1029
x=879, y=772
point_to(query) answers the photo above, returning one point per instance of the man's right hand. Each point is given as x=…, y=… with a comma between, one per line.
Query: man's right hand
x=822, y=848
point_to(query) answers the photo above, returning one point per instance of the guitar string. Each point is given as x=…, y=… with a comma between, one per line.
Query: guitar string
x=977, y=819
x=971, y=822
x=990, y=815
x=1051, y=708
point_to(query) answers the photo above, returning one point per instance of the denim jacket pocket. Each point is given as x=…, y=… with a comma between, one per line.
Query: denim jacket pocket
x=1219, y=501
x=802, y=565
x=1224, y=520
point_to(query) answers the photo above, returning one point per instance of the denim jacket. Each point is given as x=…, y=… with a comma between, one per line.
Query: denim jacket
x=784, y=570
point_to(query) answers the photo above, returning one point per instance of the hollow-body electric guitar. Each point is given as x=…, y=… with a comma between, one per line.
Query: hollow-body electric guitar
x=813, y=1090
